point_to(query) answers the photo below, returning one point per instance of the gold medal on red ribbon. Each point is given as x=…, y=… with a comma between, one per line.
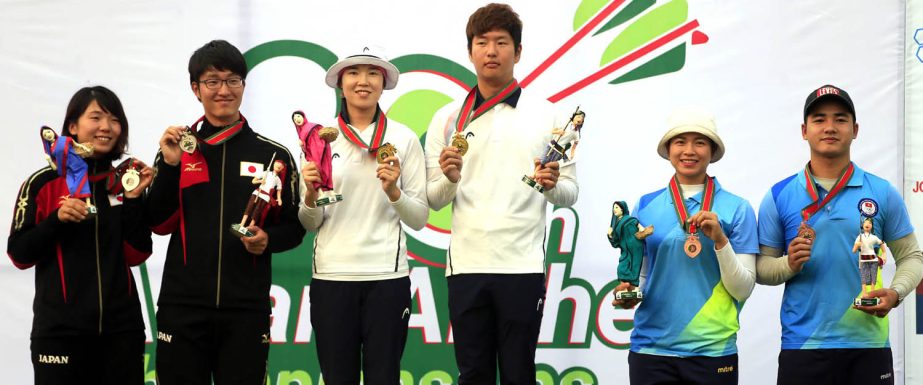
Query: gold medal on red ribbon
x=804, y=230
x=459, y=142
x=468, y=113
x=384, y=151
x=692, y=246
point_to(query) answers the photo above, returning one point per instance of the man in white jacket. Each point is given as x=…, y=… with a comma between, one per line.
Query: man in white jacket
x=495, y=262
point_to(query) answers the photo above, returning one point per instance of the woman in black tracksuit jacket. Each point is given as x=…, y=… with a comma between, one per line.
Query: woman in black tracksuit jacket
x=87, y=325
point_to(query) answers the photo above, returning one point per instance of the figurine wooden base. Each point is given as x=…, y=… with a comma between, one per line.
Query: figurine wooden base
x=532, y=183
x=629, y=294
x=240, y=231
x=867, y=301
x=91, y=212
x=328, y=200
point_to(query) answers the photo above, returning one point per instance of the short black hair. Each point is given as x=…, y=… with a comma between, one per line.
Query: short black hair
x=109, y=102
x=217, y=54
x=492, y=17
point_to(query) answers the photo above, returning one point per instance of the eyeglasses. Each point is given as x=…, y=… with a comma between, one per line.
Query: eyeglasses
x=214, y=84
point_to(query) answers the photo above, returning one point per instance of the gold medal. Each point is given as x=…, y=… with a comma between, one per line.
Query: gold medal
x=188, y=142
x=131, y=179
x=384, y=152
x=693, y=246
x=459, y=142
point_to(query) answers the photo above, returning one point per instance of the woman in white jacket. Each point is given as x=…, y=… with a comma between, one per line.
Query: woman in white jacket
x=360, y=289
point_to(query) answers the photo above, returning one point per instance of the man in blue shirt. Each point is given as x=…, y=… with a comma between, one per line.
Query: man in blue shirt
x=815, y=215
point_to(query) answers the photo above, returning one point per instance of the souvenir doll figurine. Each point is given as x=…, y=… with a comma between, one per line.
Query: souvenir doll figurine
x=870, y=262
x=268, y=194
x=66, y=156
x=556, y=150
x=315, y=143
x=627, y=234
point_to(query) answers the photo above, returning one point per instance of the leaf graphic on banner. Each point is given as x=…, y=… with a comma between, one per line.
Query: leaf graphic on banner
x=586, y=10
x=670, y=61
x=631, y=10
x=653, y=24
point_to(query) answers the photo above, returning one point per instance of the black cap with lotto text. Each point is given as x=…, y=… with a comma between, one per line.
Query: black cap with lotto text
x=829, y=91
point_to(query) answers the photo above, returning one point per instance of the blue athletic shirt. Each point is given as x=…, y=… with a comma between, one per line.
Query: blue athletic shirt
x=686, y=310
x=817, y=310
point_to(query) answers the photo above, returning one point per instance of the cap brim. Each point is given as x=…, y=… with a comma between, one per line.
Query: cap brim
x=391, y=72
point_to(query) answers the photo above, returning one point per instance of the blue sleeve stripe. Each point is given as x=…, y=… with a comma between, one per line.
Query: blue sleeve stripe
x=647, y=198
x=778, y=187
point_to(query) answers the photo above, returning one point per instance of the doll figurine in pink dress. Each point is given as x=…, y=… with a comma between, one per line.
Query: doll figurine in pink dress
x=315, y=143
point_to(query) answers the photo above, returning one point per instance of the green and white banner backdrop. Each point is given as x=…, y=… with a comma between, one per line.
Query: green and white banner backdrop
x=913, y=176
x=626, y=63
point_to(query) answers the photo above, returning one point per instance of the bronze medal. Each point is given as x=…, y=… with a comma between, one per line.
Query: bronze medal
x=693, y=246
x=188, y=142
x=806, y=232
x=384, y=152
x=459, y=141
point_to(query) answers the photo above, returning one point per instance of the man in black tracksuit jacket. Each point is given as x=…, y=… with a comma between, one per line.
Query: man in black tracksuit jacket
x=214, y=306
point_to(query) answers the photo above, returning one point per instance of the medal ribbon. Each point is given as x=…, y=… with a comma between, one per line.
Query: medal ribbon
x=113, y=186
x=223, y=135
x=814, y=207
x=378, y=136
x=199, y=174
x=676, y=192
x=466, y=116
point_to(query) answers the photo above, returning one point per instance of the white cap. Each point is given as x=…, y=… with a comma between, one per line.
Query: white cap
x=371, y=55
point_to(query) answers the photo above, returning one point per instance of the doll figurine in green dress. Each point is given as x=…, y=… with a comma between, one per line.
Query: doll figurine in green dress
x=626, y=234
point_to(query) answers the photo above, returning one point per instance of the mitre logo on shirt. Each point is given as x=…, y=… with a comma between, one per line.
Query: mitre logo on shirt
x=251, y=169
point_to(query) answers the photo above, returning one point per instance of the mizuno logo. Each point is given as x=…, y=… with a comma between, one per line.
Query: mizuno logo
x=539, y=305
x=406, y=312
x=193, y=167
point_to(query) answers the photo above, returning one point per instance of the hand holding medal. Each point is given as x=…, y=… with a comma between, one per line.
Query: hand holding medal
x=135, y=176
x=710, y=226
x=389, y=170
x=693, y=246
x=171, y=147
